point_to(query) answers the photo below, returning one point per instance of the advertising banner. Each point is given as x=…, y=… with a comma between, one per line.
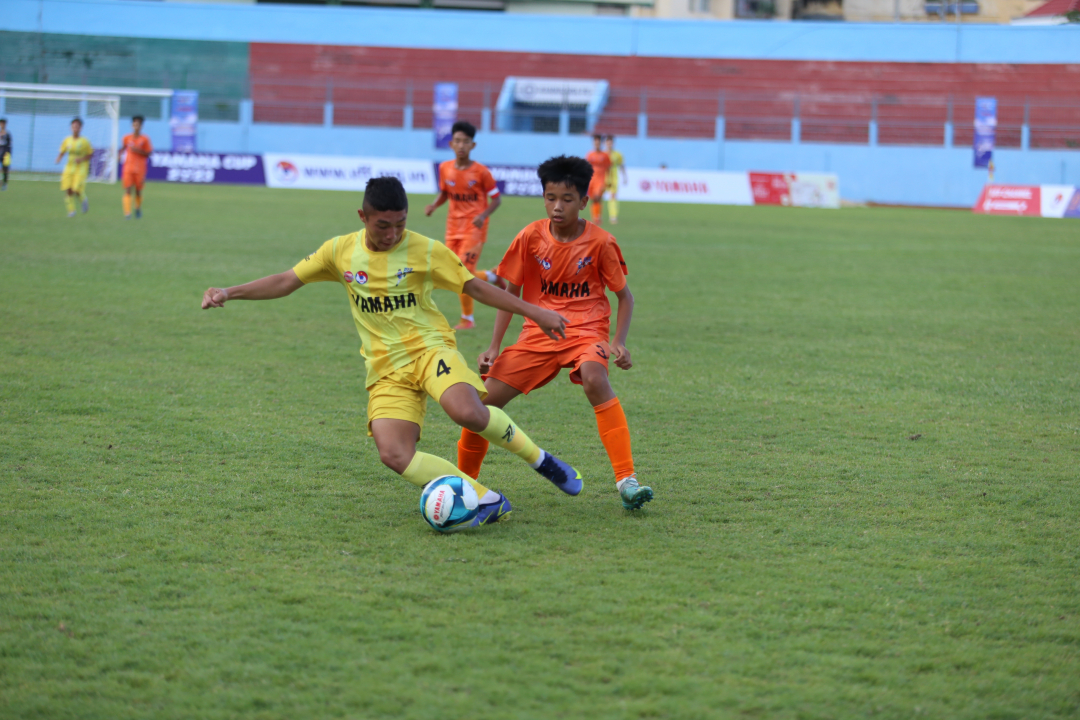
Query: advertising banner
x=1050, y=201
x=445, y=112
x=820, y=190
x=518, y=180
x=985, y=129
x=225, y=168
x=335, y=172
x=184, y=120
x=686, y=186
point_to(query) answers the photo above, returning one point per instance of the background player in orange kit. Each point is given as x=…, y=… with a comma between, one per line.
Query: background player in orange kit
x=473, y=197
x=564, y=264
x=601, y=164
x=137, y=149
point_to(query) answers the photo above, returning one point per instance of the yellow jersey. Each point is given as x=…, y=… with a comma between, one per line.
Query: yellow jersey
x=390, y=295
x=76, y=148
x=616, y=166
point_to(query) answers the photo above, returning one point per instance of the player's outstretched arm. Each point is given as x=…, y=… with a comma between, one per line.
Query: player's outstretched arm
x=502, y=322
x=622, y=328
x=552, y=323
x=270, y=287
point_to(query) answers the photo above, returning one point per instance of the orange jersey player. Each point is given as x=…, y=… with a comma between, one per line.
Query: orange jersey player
x=601, y=165
x=567, y=265
x=473, y=197
x=137, y=149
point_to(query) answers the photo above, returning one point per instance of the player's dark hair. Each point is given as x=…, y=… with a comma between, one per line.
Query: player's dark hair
x=3, y=120
x=566, y=170
x=385, y=193
x=598, y=137
x=77, y=120
x=464, y=126
x=610, y=137
x=140, y=118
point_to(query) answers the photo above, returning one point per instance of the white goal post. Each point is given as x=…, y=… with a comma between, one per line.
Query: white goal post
x=39, y=117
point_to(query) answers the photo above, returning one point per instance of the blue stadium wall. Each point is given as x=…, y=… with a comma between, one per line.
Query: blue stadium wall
x=889, y=174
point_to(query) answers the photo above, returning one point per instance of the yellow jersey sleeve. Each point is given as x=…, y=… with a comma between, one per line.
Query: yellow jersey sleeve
x=64, y=145
x=447, y=272
x=319, y=266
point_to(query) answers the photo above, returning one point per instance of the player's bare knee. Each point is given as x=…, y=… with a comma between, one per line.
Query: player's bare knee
x=396, y=457
x=474, y=418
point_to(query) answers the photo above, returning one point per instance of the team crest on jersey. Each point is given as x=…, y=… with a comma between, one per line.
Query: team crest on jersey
x=450, y=183
x=348, y=276
x=471, y=183
x=360, y=277
x=582, y=263
x=401, y=275
x=545, y=263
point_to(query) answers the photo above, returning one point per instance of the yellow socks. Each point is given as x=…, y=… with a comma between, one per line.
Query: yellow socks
x=424, y=468
x=138, y=201
x=505, y=433
x=613, y=209
x=69, y=202
x=127, y=204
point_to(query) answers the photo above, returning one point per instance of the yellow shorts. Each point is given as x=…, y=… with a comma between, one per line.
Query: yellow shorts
x=74, y=180
x=403, y=394
x=7, y=159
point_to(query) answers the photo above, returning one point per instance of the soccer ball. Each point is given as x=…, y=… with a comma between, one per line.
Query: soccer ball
x=449, y=503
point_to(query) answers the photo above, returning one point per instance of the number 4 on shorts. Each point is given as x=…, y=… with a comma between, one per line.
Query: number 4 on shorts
x=443, y=369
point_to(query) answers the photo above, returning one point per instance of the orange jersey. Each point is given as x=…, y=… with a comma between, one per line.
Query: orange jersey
x=133, y=161
x=601, y=164
x=567, y=277
x=468, y=191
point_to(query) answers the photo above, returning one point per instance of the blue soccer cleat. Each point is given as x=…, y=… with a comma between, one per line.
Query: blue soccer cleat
x=492, y=512
x=86, y=205
x=138, y=213
x=633, y=495
x=560, y=474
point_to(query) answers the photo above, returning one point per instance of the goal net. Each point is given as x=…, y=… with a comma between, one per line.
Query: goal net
x=39, y=118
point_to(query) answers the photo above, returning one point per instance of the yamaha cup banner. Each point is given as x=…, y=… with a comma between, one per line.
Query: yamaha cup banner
x=445, y=109
x=335, y=172
x=184, y=120
x=218, y=168
x=985, y=129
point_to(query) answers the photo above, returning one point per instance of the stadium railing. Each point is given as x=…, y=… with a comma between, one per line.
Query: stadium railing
x=855, y=118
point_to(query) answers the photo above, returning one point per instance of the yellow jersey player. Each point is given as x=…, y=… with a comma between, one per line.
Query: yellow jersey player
x=5, y=150
x=617, y=167
x=73, y=179
x=389, y=273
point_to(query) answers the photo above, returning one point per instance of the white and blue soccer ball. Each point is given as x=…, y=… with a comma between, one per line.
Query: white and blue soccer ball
x=449, y=503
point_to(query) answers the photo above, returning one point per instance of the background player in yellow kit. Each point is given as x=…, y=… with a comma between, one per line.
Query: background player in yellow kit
x=617, y=167
x=5, y=150
x=473, y=197
x=73, y=179
x=389, y=273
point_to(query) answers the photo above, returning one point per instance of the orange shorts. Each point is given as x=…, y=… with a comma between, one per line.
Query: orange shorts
x=597, y=187
x=525, y=366
x=467, y=245
x=138, y=179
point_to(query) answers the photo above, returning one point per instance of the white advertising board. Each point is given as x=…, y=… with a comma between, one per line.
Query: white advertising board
x=335, y=172
x=686, y=186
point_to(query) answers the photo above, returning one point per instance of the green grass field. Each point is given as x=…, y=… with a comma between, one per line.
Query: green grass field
x=862, y=427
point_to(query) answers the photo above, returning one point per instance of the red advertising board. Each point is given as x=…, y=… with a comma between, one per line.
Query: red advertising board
x=1010, y=200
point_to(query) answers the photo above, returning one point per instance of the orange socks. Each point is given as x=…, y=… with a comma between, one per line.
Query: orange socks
x=127, y=204
x=471, y=450
x=615, y=434
x=466, y=306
